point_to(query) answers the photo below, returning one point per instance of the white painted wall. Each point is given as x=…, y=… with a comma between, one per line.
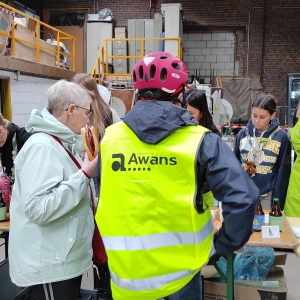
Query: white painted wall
x=27, y=93
x=208, y=51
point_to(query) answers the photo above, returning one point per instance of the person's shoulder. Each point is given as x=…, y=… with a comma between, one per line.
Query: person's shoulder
x=23, y=134
x=210, y=140
x=242, y=132
x=281, y=135
x=13, y=128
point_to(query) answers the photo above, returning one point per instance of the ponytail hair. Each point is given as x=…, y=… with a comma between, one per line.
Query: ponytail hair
x=266, y=102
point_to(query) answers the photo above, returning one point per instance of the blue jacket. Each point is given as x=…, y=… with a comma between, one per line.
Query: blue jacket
x=152, y=121
x=273, y=171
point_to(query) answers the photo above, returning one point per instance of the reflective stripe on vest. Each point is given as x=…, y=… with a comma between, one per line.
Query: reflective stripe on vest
x=157, y=240
x=152, y=283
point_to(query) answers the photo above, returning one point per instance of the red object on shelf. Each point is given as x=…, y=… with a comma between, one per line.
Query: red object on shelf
x=5, y=189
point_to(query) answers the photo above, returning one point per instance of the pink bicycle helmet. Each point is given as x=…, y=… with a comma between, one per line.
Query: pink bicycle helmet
x=159, y=70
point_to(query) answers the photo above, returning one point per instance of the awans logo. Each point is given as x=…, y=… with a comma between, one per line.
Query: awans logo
x=140, y=162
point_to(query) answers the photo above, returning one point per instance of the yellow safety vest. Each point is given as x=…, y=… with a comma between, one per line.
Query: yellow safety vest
x=155, y=240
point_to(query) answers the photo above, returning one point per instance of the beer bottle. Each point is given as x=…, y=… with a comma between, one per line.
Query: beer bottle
x=259, y=218
x=2, y=208
x=275, y=214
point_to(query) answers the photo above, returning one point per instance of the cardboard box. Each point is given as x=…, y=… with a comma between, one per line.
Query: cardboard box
x=120, y=29
x=31, y=25
x=27, y=51
x=273, y=288
x=120, y=32
x=20, y=21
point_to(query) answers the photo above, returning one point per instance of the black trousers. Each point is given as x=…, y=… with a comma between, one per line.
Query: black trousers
x=61, y=290
x=102, y=281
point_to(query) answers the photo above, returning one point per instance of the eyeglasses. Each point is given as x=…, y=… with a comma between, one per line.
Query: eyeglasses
x=88, y=113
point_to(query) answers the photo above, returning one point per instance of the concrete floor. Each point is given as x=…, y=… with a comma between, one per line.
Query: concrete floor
x=291, y=271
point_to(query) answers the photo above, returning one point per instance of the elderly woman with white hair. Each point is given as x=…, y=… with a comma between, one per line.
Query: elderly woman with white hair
x=51, y=221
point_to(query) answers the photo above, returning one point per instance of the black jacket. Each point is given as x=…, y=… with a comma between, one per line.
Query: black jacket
x=6, y=150
x=153, y=121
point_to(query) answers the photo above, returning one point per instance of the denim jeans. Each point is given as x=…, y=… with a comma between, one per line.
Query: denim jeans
x=191, y=291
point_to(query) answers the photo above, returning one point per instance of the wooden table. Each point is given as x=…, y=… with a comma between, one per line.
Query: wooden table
x=4, y=227
x=287, y=240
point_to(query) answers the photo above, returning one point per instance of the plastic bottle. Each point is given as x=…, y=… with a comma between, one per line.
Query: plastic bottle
x=275, y=214
x=259, y=218
x=2, y=209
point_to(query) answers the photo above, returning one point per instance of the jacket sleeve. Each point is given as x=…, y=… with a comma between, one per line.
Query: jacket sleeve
x=231, y=185
x=281, y=182
x=236, y=148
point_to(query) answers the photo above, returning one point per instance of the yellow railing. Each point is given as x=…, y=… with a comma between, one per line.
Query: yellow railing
x=104, y=58
x=98, y=69
x=61, y=36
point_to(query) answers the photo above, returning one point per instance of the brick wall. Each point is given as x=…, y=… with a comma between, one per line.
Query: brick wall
x=270, y=26
x=207, y=54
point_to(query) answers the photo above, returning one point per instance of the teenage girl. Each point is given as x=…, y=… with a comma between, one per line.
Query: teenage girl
x=264, y=150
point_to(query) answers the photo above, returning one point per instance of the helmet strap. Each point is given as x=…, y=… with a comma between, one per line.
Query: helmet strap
x=162, y=95
x=151, y=94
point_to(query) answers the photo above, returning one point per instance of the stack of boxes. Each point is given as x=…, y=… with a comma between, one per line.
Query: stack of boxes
x=120, y=49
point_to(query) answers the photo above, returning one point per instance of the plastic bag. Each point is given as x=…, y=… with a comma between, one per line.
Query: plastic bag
x=104, y=13
x=252, y=264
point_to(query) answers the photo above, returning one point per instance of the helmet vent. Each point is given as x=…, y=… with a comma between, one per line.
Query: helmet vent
x=146, y=77
x=134, y=77
x=152, y=72
x=163, y=57
x=163, y=74
x=176, y=66
x=141, y=72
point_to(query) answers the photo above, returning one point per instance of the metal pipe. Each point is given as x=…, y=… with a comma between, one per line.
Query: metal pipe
x=248, y=45
x=234, y=55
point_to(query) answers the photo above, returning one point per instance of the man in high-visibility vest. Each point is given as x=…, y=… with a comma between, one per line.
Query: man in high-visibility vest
x=156, y=228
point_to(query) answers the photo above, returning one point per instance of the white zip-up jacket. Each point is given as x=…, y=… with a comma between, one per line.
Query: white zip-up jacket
x=51, y=221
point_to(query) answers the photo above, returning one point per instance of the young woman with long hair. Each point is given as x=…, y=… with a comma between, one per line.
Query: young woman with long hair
x=197, y=107
x=102, y=115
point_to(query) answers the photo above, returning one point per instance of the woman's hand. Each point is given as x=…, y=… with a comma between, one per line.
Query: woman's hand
x=90, y=167
x=217, y=225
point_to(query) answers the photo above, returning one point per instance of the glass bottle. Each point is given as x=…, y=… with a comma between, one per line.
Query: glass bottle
x=275, y=214
x=2, y=208
x=259, y=218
